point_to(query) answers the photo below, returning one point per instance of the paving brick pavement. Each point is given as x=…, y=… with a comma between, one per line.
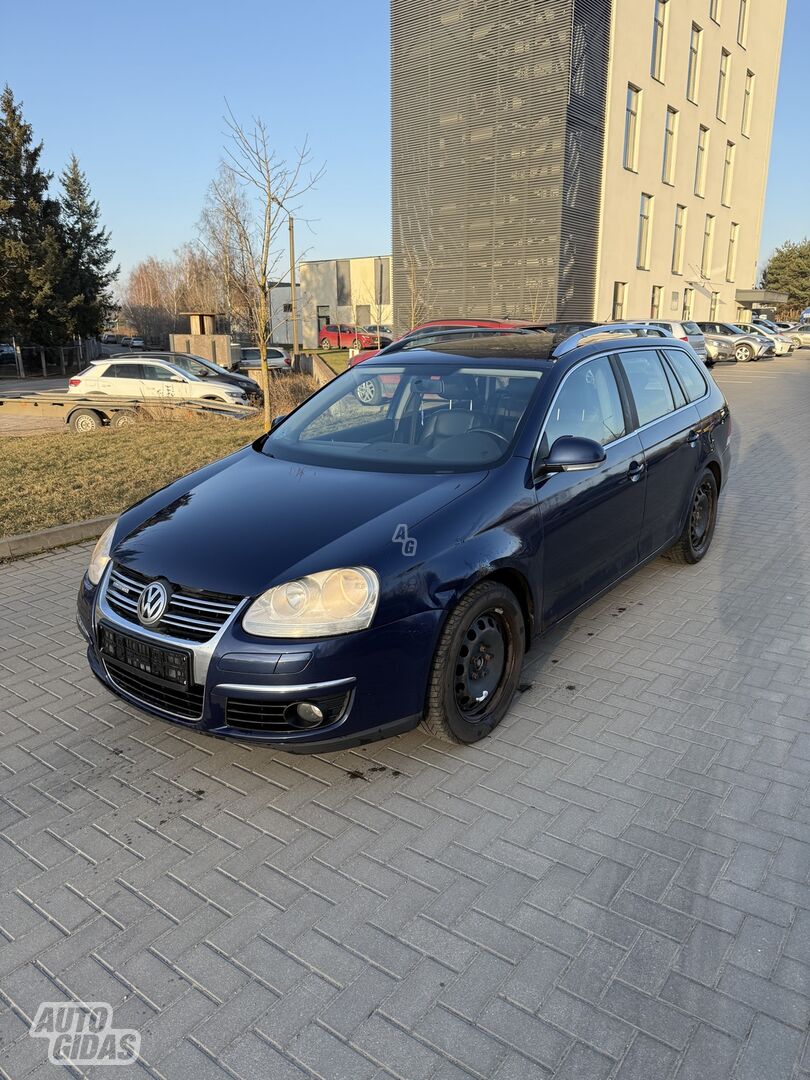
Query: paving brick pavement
x=615, y=886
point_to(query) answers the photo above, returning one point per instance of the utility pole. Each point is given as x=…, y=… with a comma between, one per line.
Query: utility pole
x=293, y=298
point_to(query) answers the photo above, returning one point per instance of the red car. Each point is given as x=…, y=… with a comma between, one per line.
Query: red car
x=425, y=330
x=342, y=336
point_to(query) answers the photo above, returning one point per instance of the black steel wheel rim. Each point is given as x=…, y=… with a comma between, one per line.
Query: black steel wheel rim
x=481, y=665
x=700, y=519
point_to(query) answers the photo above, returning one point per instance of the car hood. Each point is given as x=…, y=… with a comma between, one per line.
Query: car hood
x=256, y=521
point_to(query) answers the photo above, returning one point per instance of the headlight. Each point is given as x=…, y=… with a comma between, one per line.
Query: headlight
x=101, y=554
x=319, y=605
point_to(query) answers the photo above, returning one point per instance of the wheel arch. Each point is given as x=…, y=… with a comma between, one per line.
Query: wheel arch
x=515, y=581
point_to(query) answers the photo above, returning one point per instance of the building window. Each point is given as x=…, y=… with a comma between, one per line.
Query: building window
x=700, y=163
x=731, y=261
x=693, y=75
x=742, y=23
x=714, y=10
x=659, y=42
x=670, y=146
x=728, y=174
x=619, y=299
x=644, y=232
x=714, y=307
x=722, y=85
x=678, y=242
x=287, y=309
x=631, y=123
x=688, y=304
x=748, y=103
x=657, y=302
x=708, y=248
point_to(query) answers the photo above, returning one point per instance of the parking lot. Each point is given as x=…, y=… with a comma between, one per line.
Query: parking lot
x=615, y=885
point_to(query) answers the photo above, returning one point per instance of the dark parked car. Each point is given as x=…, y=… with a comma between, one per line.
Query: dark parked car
x=207, y=369
x=362, y=569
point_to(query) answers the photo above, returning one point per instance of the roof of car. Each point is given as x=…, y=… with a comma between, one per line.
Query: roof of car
x=542, y=348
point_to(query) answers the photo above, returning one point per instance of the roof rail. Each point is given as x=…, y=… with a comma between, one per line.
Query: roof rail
x=574, y=341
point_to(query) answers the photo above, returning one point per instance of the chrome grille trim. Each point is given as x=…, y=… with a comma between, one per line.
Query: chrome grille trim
x=189, y=617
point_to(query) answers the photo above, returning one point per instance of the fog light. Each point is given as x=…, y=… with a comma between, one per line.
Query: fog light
x=309, y=715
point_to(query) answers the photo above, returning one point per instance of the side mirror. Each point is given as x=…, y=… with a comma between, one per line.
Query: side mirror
x=277, y=420
x=571, y=454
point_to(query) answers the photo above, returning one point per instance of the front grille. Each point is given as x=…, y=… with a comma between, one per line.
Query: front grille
x=250, y=714
x=191, y=615
x=185, y=703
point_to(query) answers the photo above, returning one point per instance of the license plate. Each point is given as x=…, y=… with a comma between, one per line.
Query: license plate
x=164, y=665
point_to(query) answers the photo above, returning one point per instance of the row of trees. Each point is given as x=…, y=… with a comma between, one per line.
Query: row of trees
x=56, y=262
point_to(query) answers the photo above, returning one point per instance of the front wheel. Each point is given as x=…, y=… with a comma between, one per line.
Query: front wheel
x=85, y=420
x=476, y=667
x=743, y=353
x=696, y=538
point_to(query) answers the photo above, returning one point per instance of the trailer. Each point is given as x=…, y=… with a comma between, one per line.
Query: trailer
x=89, y=412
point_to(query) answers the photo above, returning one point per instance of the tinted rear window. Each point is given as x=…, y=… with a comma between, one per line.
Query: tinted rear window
x=648, y=383
x=689, y=375
x=692, y=329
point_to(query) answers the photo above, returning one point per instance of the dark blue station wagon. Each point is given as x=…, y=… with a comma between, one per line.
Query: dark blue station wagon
x=384, y=559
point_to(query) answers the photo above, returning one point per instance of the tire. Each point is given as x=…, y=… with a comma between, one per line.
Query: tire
x=369, y=392
x=696, y=538
x=124, y=418
x=743, y=354
x=797, y=342
x=482, y=641
x=356, y=344
x=84, y=420
x=325, y=344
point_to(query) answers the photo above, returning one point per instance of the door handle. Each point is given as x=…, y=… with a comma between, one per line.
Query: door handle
x=636, y=470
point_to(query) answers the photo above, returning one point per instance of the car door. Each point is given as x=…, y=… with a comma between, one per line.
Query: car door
x=159, y=382
x=668, y=428
x=591, y=520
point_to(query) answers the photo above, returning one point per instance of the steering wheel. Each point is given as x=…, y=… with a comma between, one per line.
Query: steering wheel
x=493, y=434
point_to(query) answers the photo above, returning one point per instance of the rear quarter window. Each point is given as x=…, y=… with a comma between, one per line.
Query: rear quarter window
x=690, y=377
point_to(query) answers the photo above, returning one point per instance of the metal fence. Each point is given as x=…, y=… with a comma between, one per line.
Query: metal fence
x=47, y=361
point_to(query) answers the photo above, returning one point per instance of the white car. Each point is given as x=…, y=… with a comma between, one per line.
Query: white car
x=151, y=379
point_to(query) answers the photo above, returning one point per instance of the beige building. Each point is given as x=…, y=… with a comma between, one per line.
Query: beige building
x=352, y=291
x=580, y=159
x=690, y=106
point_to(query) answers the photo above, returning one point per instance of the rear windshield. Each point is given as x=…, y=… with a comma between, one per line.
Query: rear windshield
x=692, y=329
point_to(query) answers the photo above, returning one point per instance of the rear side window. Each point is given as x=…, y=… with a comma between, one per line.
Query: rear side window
x=691, y=329
x=123, y=371
x=689, y=375
x=648, y=384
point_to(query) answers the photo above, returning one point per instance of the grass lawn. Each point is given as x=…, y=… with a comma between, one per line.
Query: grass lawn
x=337, y=359
x=57, y=479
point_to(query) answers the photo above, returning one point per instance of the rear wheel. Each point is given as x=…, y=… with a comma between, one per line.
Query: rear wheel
x=356, y=344
x=696, y=538
x=476, y=667
x=369, y=392
x=124, y=418
x=325, y=344
x=84, y=420
x=743, y=353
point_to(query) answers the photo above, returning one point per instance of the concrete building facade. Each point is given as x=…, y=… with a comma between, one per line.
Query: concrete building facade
x=580, y=159
x=354, y=291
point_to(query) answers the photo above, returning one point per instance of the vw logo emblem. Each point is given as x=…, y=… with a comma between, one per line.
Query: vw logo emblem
x=153, y=603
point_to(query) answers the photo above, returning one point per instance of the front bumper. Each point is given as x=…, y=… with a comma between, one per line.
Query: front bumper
x=370, y=685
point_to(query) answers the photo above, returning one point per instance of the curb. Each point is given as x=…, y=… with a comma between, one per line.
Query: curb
x=12, y=547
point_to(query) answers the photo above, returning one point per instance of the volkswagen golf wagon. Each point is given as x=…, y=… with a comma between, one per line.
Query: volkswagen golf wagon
x=364, y=568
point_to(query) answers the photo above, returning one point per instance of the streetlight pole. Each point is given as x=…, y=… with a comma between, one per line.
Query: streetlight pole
x=293, y=297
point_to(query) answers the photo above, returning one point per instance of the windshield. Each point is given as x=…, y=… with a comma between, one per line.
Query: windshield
x=437, y=418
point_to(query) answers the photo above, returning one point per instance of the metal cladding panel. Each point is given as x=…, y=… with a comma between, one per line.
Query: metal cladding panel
x=498, y=115
x=479, y=117
x=584, y=153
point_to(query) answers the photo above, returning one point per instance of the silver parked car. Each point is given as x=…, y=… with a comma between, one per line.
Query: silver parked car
x=799, y=335
x=782, y=345
x=684, y=331
x=746, y=346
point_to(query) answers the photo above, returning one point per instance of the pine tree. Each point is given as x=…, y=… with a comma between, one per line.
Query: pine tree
x=89, y=275
x=32, y=253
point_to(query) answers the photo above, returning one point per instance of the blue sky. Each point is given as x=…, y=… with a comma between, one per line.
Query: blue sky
x=137, y=92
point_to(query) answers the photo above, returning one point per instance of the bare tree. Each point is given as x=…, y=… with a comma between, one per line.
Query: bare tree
x=252, y=196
